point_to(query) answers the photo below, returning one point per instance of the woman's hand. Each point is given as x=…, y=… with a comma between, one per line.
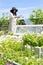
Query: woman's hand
x=17, y=16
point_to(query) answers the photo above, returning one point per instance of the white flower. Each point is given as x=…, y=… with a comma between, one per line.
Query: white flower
x=26, y=58
x=42, y=32
x=33, y=56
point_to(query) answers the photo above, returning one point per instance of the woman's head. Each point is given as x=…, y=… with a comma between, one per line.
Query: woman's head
x=13, y=10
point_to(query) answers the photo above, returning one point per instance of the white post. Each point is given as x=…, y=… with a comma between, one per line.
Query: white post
x=40, y=52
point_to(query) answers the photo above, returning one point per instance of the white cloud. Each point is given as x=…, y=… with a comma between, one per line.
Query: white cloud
x=26, y=8
x=4, y=10
x=21, y=11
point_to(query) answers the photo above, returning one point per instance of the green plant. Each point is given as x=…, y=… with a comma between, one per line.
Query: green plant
x=1, y=33
x=20, y=22
x=2, y=61
x=30, y=39
x=11, y=33
x=4, y=22
x=40, y=40
x=33, y=39
x=37, y=16
x=13, y=49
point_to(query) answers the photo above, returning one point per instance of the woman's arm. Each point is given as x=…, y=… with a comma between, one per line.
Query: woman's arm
x=12, y=16
x=17, y=16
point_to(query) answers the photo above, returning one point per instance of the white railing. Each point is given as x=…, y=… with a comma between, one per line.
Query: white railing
x=29, y=25
x=29, y=28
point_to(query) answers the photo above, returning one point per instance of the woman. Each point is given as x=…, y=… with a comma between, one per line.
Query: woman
x=13, y=17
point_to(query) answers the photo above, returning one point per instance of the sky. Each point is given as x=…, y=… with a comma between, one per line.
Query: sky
x=25, y=7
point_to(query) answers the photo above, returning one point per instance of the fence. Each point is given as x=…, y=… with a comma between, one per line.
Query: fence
x=21, y=29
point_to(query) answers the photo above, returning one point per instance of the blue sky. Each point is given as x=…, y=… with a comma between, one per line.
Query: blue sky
x=25, y=7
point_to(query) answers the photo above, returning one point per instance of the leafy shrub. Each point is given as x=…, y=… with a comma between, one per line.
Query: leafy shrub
x=30, y=39
x=9, y=47
x=1, y=33
x=13, y=50
x=4, y=22
x=20, y=22
x=11, y=33
x=27, y=52
x=2, y=61
x=33, y=39
x=37, y=16
x=40, y=40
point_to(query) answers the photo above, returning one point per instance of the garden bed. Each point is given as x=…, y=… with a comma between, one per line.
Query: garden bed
x=28, y=51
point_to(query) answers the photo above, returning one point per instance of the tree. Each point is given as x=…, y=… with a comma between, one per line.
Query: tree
x=4, y=22
x=21, y=22
x=37, y=16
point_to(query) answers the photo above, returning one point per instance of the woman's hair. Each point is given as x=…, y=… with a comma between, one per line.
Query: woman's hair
x=12, y=11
